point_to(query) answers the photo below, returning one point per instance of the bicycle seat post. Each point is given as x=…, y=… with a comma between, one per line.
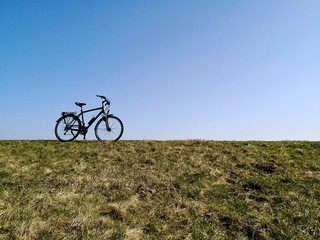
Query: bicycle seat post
x=82, y=115
x=83, y=123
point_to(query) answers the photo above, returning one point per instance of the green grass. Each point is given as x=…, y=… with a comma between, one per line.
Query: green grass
x=159, y=190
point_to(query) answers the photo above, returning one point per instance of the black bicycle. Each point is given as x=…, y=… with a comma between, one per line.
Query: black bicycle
x=108, y=128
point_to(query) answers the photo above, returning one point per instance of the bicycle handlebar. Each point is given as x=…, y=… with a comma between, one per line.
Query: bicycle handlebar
x=101, y=97
x=105, y=99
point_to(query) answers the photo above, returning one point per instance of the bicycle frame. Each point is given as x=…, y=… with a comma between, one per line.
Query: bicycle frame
x=94, y=118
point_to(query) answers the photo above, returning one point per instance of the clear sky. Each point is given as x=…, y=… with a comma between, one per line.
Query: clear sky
x=220, y=70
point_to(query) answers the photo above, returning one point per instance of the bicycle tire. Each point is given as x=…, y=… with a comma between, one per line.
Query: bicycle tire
x=115, y=136
x=76, y=129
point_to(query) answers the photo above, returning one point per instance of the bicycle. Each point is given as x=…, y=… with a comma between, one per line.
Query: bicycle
x=108, y=128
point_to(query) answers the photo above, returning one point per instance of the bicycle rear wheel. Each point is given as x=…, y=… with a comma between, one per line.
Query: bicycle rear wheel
x=116, y=129
x=67, y=128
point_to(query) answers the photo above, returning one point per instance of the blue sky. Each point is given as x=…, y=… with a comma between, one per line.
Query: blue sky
x=220, y=70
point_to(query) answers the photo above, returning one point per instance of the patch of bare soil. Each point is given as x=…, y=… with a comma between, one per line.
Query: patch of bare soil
x=143, y=191
x=266, y=167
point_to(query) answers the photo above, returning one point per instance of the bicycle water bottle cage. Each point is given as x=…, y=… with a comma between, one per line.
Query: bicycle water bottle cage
x=68, y=113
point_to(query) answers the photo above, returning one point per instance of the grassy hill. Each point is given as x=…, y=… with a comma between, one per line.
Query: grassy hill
x=159, y=190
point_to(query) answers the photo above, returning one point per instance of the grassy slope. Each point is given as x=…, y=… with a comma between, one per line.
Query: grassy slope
x=159, y=190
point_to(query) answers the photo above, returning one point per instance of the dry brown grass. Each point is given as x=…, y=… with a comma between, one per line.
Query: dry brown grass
x=159, y=190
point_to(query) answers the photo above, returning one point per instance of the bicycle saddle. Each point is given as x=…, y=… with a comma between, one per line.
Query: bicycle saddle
x=80, y=104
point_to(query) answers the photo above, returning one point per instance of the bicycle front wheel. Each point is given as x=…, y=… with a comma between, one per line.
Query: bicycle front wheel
x=114, y=132
x=67, y=128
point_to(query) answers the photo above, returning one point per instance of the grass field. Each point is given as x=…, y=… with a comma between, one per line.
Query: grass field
x=159, y=190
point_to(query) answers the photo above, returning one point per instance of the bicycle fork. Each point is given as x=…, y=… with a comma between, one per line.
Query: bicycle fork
x=107, y=122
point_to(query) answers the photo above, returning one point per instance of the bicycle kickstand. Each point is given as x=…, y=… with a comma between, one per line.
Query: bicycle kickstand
x=84, y=137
